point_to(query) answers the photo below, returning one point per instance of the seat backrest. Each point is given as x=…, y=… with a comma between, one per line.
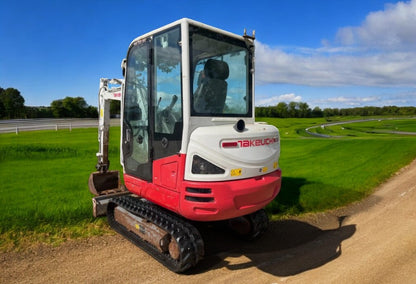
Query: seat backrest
x=211, y=94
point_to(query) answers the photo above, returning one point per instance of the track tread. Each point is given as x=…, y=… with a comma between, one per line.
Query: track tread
x=186, y=235
x=259, y=223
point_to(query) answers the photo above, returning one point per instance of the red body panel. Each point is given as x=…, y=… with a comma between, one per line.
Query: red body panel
x=204, y=201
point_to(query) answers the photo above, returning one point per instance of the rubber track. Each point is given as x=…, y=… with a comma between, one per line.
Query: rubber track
x=189, y=240
x=260, y=223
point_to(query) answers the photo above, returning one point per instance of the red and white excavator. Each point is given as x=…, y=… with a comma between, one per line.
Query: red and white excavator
x=190, y=147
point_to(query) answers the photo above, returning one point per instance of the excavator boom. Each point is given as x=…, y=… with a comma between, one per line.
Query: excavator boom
x=103, y=183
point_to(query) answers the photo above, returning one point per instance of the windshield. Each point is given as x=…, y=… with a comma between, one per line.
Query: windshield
x=221, y=81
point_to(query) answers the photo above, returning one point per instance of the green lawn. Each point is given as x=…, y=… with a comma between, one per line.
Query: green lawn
x=325, y=173
x=363, y=129
x=44, y=195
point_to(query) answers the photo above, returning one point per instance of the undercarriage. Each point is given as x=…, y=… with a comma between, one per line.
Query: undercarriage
x=170, y=239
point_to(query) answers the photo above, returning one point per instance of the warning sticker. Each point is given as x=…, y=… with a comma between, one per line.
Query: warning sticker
x=236, y=172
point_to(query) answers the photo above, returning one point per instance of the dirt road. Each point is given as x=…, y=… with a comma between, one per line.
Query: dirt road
x=370, y=242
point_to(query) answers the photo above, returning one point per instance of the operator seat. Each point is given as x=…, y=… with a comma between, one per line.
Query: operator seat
x=212, y=92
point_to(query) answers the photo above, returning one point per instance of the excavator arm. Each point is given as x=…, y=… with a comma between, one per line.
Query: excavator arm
x=103, y=183
x=105, y=95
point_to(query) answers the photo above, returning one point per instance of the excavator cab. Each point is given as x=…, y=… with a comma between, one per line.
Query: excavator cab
x=190, y=146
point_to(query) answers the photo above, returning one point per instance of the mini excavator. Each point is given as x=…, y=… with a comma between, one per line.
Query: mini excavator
x=191, y=150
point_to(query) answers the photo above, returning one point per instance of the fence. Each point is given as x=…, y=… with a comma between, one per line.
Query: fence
x=16, y=126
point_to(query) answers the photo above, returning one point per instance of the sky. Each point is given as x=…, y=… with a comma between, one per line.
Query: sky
x=330, y=54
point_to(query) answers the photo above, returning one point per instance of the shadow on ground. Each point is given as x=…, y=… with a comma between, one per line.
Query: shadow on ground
x=289, y=247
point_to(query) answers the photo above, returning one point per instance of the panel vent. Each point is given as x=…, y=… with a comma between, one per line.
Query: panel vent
x=198, y=190
x=199, y=199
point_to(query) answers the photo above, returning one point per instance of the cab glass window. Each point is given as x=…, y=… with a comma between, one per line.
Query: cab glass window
x=221, y=82
x=167, y=100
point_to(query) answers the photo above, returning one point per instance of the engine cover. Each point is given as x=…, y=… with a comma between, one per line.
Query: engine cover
x=249, y=153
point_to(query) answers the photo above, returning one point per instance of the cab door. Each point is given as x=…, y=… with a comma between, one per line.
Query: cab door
x=136, y=132
x=152, y=116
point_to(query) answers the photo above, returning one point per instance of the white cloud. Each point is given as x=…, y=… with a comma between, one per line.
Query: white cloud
x=399, y=99
x=380, y=52
x=393, y=28
x=277, y=99
x=403, y=99
x=351, y=101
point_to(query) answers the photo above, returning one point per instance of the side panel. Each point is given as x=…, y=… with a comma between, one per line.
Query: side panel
x=167, y=180
x=168, y=172
x=157, y=194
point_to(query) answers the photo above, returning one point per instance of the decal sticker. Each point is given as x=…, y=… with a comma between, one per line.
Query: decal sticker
x=257, y=142
x=236, y=172
x=250, y=142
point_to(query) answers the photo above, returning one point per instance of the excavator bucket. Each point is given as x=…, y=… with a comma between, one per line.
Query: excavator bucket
x=105, y=186
x=103, y=183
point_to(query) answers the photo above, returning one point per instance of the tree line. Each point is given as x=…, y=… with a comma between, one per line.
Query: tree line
x=302, y=110
x=12, y=106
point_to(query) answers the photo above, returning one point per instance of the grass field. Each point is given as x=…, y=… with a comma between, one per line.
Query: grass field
x=44, y=195
x=324, y=173
x=362, y=129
